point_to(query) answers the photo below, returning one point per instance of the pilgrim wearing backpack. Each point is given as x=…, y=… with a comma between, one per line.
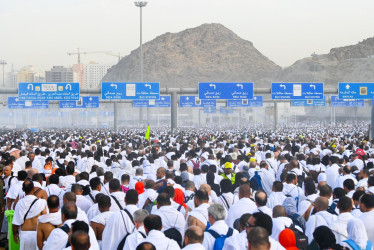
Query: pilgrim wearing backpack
x=219, y=231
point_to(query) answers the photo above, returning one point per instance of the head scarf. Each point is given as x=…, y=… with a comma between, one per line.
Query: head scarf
x=287, y=239
x=139, y=187
x=324, y=237
x=179, y=197
x=357, y=232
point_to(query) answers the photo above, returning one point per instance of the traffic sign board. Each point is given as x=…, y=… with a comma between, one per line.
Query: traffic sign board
x=164, y=102
x=309, y=103
x=295, y=91
x=194, y=101
x=49, y=91
x=225, y=90
x=226, y=110
x=336, y=102
x=83, y=102
x=356, y=90
x=130, y=90
x=255, y=102
x=210, y=110
x=15, y=103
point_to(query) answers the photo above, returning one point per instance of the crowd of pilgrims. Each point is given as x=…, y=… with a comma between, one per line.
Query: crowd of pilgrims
x=306, y=187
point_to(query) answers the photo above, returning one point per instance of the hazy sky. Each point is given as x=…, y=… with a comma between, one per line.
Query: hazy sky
x=41, y=32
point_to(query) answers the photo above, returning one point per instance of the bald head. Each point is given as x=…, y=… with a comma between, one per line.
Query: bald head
x=193, y=234
x=279, y=211
x=321, y=204
x=206, y=188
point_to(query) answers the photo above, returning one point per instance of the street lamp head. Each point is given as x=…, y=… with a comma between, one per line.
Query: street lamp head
x=140, y=3
x=3, y=62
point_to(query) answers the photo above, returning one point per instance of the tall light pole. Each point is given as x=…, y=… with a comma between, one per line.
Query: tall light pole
x=141, y=4
x=3, y=62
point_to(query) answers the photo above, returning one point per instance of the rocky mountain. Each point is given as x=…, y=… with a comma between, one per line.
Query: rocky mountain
x=354, y=63
x=210, y=52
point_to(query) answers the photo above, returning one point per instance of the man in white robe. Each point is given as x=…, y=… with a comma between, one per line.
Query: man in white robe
x=58, y=238
x=120, y=224
x=27, y=210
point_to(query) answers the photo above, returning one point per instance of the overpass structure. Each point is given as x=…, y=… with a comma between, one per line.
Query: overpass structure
x=176, y=92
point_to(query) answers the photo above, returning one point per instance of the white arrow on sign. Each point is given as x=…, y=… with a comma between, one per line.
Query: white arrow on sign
x=162, y=98
x=113, y=85
x=187, y=98
x=90, y=99
x=30, y=85
x=255, y=98
x=347, y=86
x=67, y=86
x=312, y=86
x=16, y=99
x=148, y=85
x=212, y=85
x=283, y=86
x=239, y=85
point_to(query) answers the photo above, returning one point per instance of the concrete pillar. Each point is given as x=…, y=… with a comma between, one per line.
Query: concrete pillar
x=115, y=115
x=174, y=111
x=275, y=115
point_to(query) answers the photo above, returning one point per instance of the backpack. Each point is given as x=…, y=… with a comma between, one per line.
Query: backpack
x=354, y=246
x=188, y=198
x=255, y=182
x=220, y=239
x=123, y=241
x=295, y=221
x=331, y=209
x=148, y=205
x=301, y=238
x=66, y=229
x=196, y=165
x=173, y=234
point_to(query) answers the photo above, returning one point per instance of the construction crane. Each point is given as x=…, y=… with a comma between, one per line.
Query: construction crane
x=116, y=55
x=85, y=53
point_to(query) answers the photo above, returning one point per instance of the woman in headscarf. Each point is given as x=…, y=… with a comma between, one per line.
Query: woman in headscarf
x=288, y=240
x=139, y=187
x=179, y=197
x=357, y=236
x=324, y=238
x=210, y=181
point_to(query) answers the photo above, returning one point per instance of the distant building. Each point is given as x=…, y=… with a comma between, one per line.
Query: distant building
x=59, y=74
x=93, y=73
x=78, y=70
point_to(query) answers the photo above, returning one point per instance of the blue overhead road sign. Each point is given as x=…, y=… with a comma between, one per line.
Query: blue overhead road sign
x=130, y=90
x=194, y=101
x=309, y=103
x=255, y=102
x=336, y=102
x=164, y=102
x=225, y=90
x=49, y=91
x=349, y=90
x=295, y=91
x=15, y=103
x=210, y=110
x=226, y=110
x=83, y=102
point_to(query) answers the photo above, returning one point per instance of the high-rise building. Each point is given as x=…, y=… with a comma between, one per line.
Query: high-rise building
x=59, y=74
x=78, y=70
x=93, y=73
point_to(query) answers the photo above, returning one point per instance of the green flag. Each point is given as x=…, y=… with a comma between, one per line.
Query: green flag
x=148, y=133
